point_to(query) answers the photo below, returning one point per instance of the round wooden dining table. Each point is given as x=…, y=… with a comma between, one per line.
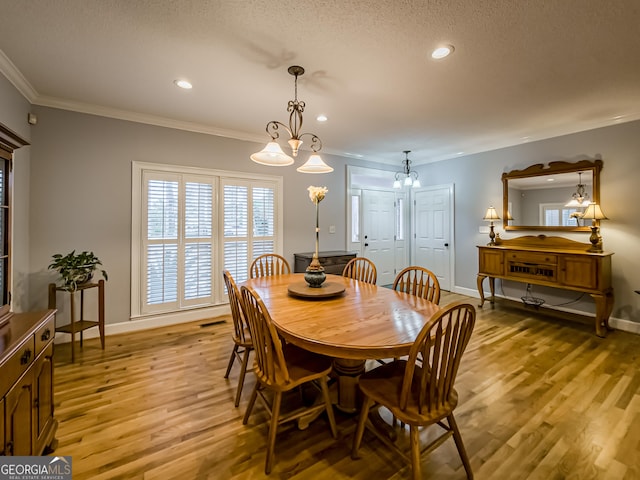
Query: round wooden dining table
x=360, y=323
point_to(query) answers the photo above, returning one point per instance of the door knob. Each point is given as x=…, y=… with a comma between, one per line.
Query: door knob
x=446, y=244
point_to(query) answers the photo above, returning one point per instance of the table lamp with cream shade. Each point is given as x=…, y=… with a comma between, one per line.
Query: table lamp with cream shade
x=490, y=216
x=594, y=212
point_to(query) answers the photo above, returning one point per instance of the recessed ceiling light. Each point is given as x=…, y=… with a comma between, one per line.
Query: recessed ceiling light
x=183, y=84
x=551, y=179
x=441, y=52
x=322, y=118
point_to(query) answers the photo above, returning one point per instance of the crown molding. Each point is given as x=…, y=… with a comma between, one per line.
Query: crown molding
x=16, y=78
x=159, y=121
x=130, y=116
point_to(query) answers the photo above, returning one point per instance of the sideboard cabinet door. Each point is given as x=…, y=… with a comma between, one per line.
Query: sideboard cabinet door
x=579, y=271
x=19, y=417
x=43, y=405
x=491, y=261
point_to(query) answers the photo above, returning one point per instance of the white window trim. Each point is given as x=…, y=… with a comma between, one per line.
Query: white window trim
x=137, y=169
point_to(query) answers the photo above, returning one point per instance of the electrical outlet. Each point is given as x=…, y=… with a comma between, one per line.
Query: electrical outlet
x=483, y=229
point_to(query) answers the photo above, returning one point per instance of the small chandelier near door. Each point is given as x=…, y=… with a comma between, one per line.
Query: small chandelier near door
x=580, y=198
x=410, y=176
x=273, y=155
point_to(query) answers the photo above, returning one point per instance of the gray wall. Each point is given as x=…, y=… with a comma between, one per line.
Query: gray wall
x=73, y=187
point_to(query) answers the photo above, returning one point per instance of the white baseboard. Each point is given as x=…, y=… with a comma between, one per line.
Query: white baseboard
x=625, y=325
x=617, y=323
x=154, y=321
x=470, y=292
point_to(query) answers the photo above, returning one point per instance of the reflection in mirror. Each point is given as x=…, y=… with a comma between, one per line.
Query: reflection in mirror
x=550, y=197
x=548, y=200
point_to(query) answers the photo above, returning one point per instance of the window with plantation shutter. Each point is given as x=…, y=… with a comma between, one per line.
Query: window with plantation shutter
x=191, y=224
x=249, y=224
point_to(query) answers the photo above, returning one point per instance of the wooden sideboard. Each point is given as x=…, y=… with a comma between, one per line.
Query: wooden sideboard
x=27, y=424
x=333, y=262
x=553, y=262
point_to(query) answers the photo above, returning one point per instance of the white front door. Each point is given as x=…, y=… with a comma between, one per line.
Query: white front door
x=378, y=228
x=433, y=240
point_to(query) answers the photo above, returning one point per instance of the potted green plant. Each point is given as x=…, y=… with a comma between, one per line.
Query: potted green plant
x=76, y=268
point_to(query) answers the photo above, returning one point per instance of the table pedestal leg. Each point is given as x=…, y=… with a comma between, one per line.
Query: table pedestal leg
x=348, y=372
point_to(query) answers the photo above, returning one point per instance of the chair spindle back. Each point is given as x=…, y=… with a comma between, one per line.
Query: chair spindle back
x=270, y=365
x=434, y=359
x=420, y=282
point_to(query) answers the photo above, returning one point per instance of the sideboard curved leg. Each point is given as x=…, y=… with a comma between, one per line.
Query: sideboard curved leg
x=492, y=289
x=604, y=307
x=480, y=279
x=609, y=309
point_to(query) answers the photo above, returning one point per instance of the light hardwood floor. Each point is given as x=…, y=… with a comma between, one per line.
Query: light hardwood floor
x=540, y=398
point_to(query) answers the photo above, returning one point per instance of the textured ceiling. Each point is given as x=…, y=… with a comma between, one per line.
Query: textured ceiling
x=521, y=70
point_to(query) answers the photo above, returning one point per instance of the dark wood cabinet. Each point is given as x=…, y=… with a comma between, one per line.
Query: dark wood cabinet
x=333, y=261
x=43, y=389
x=553, y=262
x=19, y=417
x=26, y=383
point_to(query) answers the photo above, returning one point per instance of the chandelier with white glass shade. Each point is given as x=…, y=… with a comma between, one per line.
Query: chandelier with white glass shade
x=407, y=177
x=273, y=155
x=580, y=197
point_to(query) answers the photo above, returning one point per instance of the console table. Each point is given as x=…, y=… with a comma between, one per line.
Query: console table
x=553, y=262
x=333, y=262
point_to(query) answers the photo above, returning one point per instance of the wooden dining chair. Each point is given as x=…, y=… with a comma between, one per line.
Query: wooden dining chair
x=361, y=268
x=418, y=281
x=269, y=264
x=280, y=368
x=242, y=344
x=419, y=391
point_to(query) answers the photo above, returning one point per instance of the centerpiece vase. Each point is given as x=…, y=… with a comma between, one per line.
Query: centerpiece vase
x=314, y=275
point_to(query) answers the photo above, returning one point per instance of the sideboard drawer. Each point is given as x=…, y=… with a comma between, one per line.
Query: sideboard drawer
x=17, y=364
x=532, y=258
x=44, y=335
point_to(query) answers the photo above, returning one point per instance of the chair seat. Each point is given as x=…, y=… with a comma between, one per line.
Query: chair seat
x=302, y=366
x=246, y=342
x=384, y=385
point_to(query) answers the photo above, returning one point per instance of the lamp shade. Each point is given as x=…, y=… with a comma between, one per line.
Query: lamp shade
x=272, y=155
x=491, y=214
x=594, y=212
x=315, y=164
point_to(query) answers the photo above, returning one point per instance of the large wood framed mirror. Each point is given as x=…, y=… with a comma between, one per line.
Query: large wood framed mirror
x=550, y=198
